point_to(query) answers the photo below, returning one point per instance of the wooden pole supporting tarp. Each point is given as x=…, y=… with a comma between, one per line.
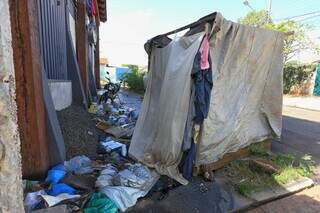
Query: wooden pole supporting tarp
x=27, y=65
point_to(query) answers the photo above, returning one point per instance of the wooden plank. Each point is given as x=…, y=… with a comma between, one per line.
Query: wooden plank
x=97, y=61
x=229, y=157
x=81, y=40
x=27, y=65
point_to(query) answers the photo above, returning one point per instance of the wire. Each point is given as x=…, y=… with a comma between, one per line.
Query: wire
x=309, y=18
x=298, y=16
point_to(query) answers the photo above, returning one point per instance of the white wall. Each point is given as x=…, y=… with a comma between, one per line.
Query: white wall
x=11, y=195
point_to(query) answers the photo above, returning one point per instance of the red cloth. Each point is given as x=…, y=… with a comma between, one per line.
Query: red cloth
x=204, y=51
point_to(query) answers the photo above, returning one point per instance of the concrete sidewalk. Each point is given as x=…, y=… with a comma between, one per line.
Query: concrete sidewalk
x=306, y=201
x=308, y=102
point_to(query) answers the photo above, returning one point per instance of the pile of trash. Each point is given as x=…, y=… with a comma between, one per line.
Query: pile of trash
x=91, y=186
x=115, y=118
x=114, y=113
x=110, y=183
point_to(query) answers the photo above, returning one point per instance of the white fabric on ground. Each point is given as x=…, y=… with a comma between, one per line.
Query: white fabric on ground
x=53, y=200
x=125, y=197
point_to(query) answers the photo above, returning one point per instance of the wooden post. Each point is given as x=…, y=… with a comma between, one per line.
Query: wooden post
x=81, y=44
x=97, y=60
x=31, y=111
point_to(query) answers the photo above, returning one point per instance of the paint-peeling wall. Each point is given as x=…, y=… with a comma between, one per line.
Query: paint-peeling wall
x=10, y=159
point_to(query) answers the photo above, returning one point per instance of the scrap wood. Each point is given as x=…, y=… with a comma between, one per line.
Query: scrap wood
x=120, y=131
x=82, y=182
x=263, y=165
x=102, y=125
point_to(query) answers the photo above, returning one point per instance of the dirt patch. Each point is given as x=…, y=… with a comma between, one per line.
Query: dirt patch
x=79, y=131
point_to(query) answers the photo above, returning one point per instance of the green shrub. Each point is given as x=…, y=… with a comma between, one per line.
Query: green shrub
x=134, y=79
x=296, y=75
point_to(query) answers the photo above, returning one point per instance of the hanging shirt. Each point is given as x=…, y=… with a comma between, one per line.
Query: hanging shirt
x=204, y=51
x=203, y=85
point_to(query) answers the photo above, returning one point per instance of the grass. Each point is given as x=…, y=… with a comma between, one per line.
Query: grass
x=247, y=181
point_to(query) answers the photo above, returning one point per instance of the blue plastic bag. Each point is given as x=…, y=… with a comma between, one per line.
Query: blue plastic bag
x=60, y=188
x=56, y=173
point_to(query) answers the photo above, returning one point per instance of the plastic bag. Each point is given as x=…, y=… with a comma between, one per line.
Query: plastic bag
x=106, y=176
x=79, y=165
x=32, y=199
x=111, y=145
x=56, y=174
x=61, y=188
x=100, y=203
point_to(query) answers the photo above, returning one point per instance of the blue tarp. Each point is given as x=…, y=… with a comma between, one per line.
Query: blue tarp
x=120, y=71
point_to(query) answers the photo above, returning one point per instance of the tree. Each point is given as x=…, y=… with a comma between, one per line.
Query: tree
x=295, y=40
x=255, y=18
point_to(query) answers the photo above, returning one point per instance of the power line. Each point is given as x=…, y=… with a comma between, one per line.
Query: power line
x=309, y=18
x=298, y=16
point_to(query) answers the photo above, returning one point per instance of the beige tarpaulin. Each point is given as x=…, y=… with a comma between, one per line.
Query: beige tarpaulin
x=246, y=98
x=158, y=134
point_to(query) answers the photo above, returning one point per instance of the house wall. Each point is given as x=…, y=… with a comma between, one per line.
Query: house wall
x=52, y=31
x=58, y=87
x=10, y=158
x=32, y=119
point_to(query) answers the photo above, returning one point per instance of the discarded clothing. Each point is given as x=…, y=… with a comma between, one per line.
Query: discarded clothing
x=100, y=203
x=202, y=80
x=61, y=188
x=79, y=165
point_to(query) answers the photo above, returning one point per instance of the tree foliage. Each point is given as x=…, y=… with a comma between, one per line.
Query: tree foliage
x=295, y=75
x=134, y=78
x=255, y=18
x=295, y=40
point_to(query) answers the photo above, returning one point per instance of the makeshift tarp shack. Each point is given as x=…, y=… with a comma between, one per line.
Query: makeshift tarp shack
x=245, y=102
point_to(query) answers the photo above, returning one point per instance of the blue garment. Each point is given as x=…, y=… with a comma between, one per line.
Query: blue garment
x=203, y=86
x=187, y=137
x=198, y=110
x=187, y=162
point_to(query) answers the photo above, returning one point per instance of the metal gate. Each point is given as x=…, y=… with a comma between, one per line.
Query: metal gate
x=52, y=28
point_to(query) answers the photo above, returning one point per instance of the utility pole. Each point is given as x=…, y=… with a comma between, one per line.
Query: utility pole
x=269, y=11
x=246, y=3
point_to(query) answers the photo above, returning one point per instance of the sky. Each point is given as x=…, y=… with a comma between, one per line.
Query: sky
x=132, y=22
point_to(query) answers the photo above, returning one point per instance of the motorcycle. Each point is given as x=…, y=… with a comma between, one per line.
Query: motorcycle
x=111, y=90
